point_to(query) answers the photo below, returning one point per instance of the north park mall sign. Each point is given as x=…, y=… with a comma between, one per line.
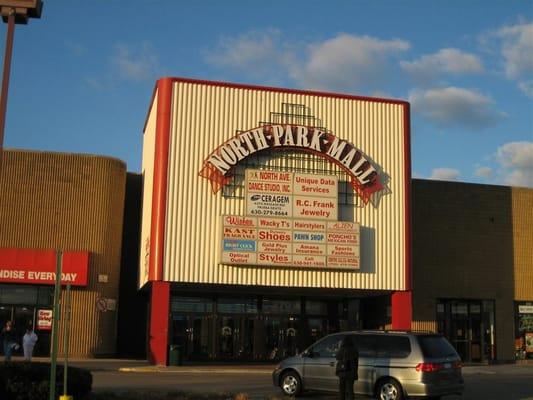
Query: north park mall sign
x=364, y=177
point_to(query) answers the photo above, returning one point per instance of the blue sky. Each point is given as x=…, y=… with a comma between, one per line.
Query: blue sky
x=82, y=76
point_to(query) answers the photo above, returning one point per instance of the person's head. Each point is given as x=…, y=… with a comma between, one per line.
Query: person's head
x=9, y=325
x=347, y=341
x=29, y=329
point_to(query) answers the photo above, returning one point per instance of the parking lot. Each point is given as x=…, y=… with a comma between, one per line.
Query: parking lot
x=496, y=382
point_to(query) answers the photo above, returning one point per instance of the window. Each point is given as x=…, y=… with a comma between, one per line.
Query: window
x=393, y=346
x=271, y=306
x=237, y=306
x=434, y=346
x=365, y=345
x=191, y=304
x=313, y=307
x=19, y=294
x=327, y=347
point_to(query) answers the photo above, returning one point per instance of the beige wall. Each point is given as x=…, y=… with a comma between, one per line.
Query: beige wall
x=70, y=202
x=205, y=116
x=148, y=158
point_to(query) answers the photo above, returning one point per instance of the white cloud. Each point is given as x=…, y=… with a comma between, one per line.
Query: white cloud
x=445, y=174
x=135, y=64
x=452, y=61
x=527, y=88
x=483, y=172
x=346, y=62
x=453, y=106
x=516, y=160
x=258, y=54
x=517, y=48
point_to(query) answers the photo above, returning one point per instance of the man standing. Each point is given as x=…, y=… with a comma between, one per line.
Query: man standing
x=9, y=340
x=347, y=364
x=28, y=343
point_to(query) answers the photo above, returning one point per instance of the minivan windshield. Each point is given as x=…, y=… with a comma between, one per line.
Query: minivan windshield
x=436, y=346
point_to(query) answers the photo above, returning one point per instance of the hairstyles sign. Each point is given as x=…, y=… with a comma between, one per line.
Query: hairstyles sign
x=364, y=178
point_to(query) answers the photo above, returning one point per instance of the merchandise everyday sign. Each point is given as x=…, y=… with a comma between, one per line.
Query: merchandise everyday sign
x=39, y=267
x=363, y=174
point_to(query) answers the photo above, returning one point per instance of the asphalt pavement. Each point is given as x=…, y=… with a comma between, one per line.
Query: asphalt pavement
x=490, y=382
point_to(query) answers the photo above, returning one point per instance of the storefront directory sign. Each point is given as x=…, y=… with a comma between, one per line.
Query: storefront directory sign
x=291, y=195
x=285, y=242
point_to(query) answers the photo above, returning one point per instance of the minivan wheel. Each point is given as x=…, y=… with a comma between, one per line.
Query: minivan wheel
x=291, y=383
x=389, y=389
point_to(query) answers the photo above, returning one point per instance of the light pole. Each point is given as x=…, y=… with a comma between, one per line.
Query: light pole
x=13, y=12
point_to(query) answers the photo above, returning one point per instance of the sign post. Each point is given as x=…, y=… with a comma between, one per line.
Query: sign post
x=66, y=345
x=55, y=327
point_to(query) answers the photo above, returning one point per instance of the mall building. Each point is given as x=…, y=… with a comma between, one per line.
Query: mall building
x=263, y=219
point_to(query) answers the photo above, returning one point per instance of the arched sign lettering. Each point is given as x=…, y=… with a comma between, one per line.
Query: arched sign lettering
x=363, y=175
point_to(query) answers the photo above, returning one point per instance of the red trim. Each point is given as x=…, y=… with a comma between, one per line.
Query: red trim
x=281, y=90
x=402, y=310
x=407, y=177
x=159, y=309
x=159, y=194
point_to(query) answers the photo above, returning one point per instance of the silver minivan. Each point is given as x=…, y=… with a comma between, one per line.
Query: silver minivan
x=393, y=365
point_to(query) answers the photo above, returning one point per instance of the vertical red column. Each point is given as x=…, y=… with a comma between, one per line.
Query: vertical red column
x=159, y=311
x=159, y=194
x=402, y=310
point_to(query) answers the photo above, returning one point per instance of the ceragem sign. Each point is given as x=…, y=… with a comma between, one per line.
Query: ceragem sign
x=363, y=175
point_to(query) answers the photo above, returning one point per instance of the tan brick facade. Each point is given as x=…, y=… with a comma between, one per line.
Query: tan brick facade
x=472, y=242
x=69, y=202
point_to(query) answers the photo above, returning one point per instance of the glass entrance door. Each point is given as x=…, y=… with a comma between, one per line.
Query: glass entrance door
x=469, y=326
x=192, y=334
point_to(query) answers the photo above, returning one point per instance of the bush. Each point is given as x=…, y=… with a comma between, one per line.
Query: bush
x=25, y=381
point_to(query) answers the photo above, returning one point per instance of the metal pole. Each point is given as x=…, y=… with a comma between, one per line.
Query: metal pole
x=55, y=327
x=5, y=77
x=66, y=339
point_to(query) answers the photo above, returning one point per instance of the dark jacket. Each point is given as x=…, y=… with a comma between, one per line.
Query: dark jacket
x=8, y=336
x=347, y=359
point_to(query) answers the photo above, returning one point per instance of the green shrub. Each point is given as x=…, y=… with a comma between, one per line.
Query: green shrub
x=25, y=381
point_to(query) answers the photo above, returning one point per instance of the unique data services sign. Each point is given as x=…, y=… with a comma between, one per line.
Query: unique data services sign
x=252, y=240
x=291, y=195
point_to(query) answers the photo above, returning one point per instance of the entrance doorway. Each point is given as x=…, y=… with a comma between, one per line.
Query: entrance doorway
x=469, y=326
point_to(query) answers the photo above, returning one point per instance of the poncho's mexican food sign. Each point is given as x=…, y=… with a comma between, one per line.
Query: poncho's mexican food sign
x=363, y=175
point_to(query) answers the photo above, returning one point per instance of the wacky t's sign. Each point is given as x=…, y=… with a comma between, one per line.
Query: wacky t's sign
x=363, y=175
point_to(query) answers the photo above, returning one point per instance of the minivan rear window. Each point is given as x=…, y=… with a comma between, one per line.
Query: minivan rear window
x=388, y=346
x=436, y=347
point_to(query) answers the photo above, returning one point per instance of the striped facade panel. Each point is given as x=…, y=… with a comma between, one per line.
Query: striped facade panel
x=69, y=202
x=204, y=116
x=148, y=186
x=522, y=200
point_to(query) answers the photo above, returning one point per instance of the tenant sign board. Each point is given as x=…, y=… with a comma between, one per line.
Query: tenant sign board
x=291, y=195
x=285, y=242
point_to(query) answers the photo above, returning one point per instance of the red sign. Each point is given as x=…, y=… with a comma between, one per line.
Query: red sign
x=39, y=266
x=44, y=320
